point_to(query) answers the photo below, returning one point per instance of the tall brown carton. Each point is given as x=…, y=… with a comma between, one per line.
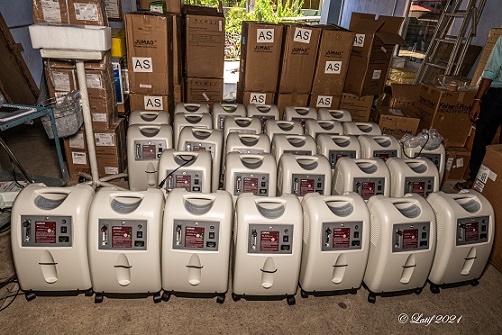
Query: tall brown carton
x=300, y=46
x=204, y=38
x=493, y=36
x=111, y=150
x=489, y=183
x=325, y=101
x=261, y=49
x=50, y=11
x=401, y=96
x=371, y=52
x=149, y=53
x=177, y=51
x=397, y=122
x=457, y=160
x=359, y=107
x=285, y=99
x=204, y=90
x=171, y=6
x=332, y=61
x=446, y=111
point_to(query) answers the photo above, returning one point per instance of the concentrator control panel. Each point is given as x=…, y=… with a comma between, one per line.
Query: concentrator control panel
x=200, y=146
x=307, y=183
x=341, y=235
x=299, y=152
x=190, y=180
x=384, y=154
x=472, y=230
x=435, y=158
x=420, y=186
x=367, y=187
x=122, y=234
x=196, y=235
x=256, y=183
x=411, y=236
x=334, y=155
x=46, y=231
x=146, y=150
x=270, y=239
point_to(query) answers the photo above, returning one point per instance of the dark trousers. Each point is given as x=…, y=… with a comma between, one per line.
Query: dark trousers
x=490, y=118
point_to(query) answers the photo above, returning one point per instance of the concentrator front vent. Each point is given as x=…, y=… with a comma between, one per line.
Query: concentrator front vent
x=417, y=167
x=408, y=210
x=229, y=108
x=341, y=142
x=470, y=205
x=306, y=227
x=296, y=142
x=440, y=221
x=339, y=182
x=198, y=206
x=252, y=163
x=307, y=164
x=340, y=208
x=249, y=141
x=383, y=142
x=149, y=132
x=263, y=108
x=375, y=230
x=286, y=127
x=270, y=210
x=366, y=167
x=50, y=203
x=126, y=206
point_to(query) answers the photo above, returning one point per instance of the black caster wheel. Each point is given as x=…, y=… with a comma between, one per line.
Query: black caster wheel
x=157, y=298
x=291, y=300
x=475, y=283
x=418, y=291
x=353, y=291
x=30, y=296
x=166, y=296
x=220, y=298
x=89, y=293
x=126, y=178
x=98, y=298
x=435, y=289
x=235, y=297
x=304, y=294
x=371, y=298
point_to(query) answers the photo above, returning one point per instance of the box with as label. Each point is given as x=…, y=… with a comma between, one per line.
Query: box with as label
x=372, y=51
x=397, y=122
x=332, y=61
x=489, y=183
x=359, y=107
x=204, y=90
x=261, y=49
x=150, y=102
x=149, y=53
x=446, y=111
x=300, y=46
x=325, y=101
x=257, y=98
x=457, y=160
x=285, y=99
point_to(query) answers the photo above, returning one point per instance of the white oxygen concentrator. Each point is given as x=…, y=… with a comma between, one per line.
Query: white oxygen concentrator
x=124, y=242
x=222, y=110
x=381, y=146
x=241, y=125
x=273, y=127
x=301, y=114
x=49, y=239
x=191, y=108
x=318, y=127
x=361, y=128
x=263, y=113
x=339, y=115
x=403, y=240
x=335, y=243
x=292, y=144
x=417, y=175
x=145, y=144
x=437, y=156
x=247, y=143
x=267, y=246
x=335, y=146
x=465, y=233
x=196, y=241
x=183, y=120
x=149, y=117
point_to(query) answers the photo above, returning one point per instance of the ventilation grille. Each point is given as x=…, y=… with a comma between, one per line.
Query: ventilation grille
x=339, y=182
x=235, y=228
x=439, y=224
x=45, y=203
x=125, y=208
x=471, y=206
x=306, y=227
x=375, y=230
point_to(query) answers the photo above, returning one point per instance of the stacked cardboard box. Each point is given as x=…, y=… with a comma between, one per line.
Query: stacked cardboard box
x=400, y=96
x=169, y=6
x=84, y=12
x=397, y=122
x=358, y=106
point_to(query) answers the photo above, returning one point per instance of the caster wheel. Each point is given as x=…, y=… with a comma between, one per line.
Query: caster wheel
x=166, y=296
x=418, y=291
x=157, y=298
x=291, y=300
x=235, y=297
x=98, y=298
x=220, y=299
x=353, y=291
x=435, y=289
x=304, y=294
x=475, y=283
x=371, y=298
x=89, y=293
x=30, y=296
x=126, y=178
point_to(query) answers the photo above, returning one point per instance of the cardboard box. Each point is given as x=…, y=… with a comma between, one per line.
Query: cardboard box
x=371, y=52
x=149, y=53
x=401, y=75
x=446, y=111
x=177, y=51
x=332, y=61
x=204, y=90
x=257, y=98
x=103, y=113
x=489, y=183
x=204, y=37
x=178, y=95
x=49, y=11
x=261, y=50
x=493, y=36
x=285, y=99
x=150, y=102
x=87, y=12
x=457, y=160
x=171, y=6
x=397, y=122
x=359, y=107
x=299, y=54
x=401, y=96
x=325, y=101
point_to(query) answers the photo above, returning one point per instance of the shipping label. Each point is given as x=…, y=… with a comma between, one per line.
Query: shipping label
x=265, y=35
x=94, y=81
x=111, y=170
x=257, y=98
x=77, y=141
x=51, y=11
x=142, y=64
x=86, y=12
x=157, y=8
x=333, y=67
x=104, y=139
x=359, y=40
x=79, y=158
x=376, y=74
x=153, y=103
x=324, y=101
x=61, y=81
x=112, y=9
x=302, y=35
x=99, y=117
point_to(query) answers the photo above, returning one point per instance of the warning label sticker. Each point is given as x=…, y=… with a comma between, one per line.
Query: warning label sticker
x=269, y=241
x=306, y=186
x=45, y=232
x=341, y=238
x=383, y=157
x=149, y=152
x=418, y=188
x=194, y=237
x=191, y=146
x=121, y=237
x=367, y=190
x=471, y=231
x=250, y=185
x=184, y=181
x=410, y=238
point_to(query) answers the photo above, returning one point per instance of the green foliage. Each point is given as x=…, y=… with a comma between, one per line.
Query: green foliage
x=207, y=3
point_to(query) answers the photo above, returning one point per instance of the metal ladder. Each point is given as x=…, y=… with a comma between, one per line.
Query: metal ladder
x=469, y=16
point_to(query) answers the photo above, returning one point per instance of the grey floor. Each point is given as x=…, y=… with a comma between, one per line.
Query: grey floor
x=476, y=309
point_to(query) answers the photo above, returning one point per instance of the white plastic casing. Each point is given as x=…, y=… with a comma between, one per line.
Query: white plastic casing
x=367, y=177
x=335, y=146
x=197, y=120
x=273, y=127
x=336, y=231
x=381, y=146
x=301, y=175
x=122, y=270
x=149, y=117
x=52, y=268
x=437, y=156
x=339, y=115
x=246, y=173
x=318, y=127
x=266, y=273
x=361, y=128
x=246, y=144
x=195, y=176
x=242, y=125
x=188, y=269
x=191, y=108
x=145, y=144
x=417, y=175
x=263, y=112
x=296, y=144
x=196, y=139
x=222, y=110
x=457, y=262
x=297, y=113
x=389, y=271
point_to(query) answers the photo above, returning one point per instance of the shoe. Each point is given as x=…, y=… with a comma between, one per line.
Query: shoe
x=463, y=185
